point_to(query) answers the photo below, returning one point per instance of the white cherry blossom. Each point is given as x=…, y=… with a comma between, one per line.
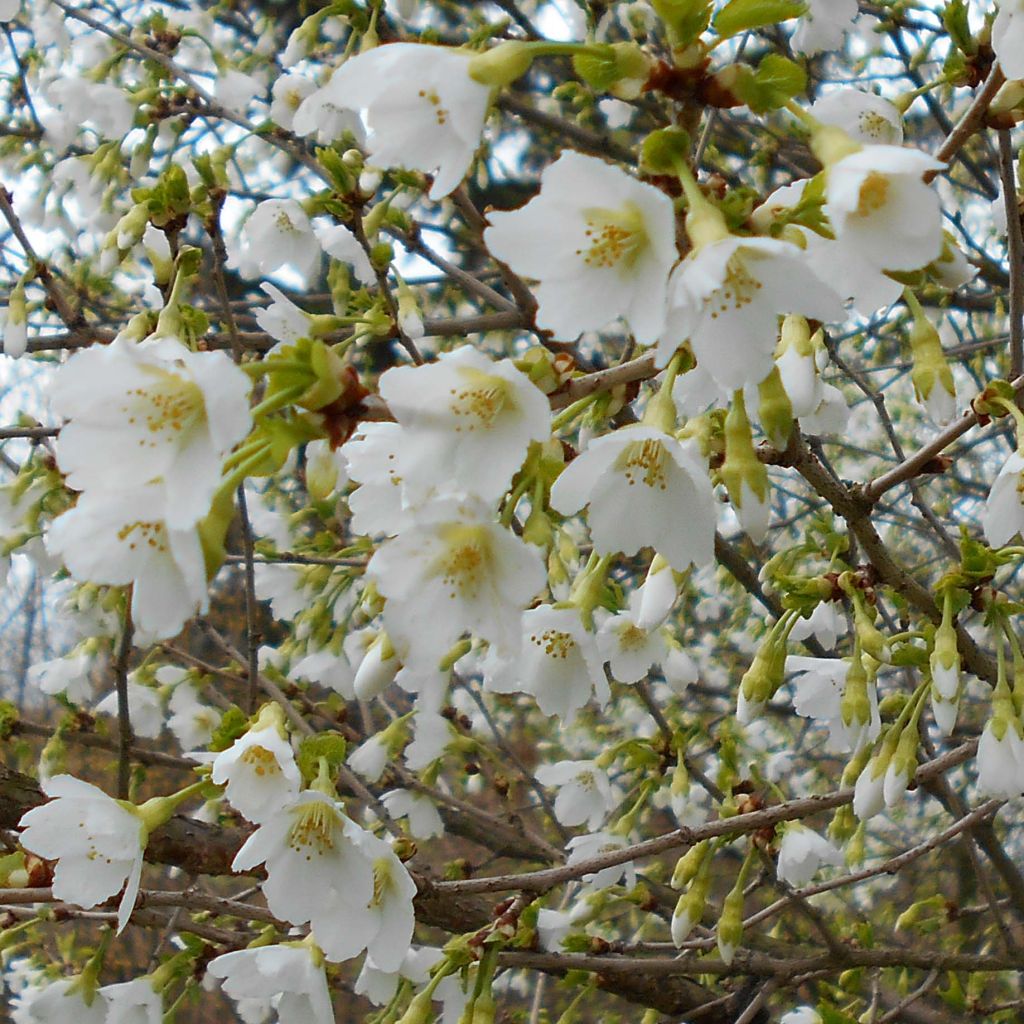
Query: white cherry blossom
x=339, y=242
x=423, y=817
x=584, y=792
x=801, y=852
x=640, y=483
x=818, y=693
x=258, y=769
x=454, y=571
x=882, y=210
x=824, y=25
x=191, y=721
x=468, y=420
x=1003, y=515
x=420, y=107
x=1000, y=761
x=317, y=871
x=152, y=410
x=600, y=242
x=96, y=840
x=726, y=298
x=119, y=538
x=145, y=709
x=61, y=1001
x=1008, y=37
x=629, y=649
x=292, y=974
x=133, y=1002
x=69, y=675
x=559, y=663
x=864, y=116
x=277, y=233
x=287, y=93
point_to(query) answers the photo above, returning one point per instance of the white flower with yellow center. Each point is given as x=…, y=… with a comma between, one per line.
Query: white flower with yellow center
x=139, y=412
x=726, y=298
x=584, y=792
x=864, y=116
x=641, y=484
x=278, y=232
x=881, y=209
x=454, y=571
x=600, y=243
x=629, y=649
x=259, y=769
x=96, y=840
x=117, y=538
x=1008, y=37
x=385, y=931
x=316, y=871
x=467, y=422
x=420, y=107
x=558, y=665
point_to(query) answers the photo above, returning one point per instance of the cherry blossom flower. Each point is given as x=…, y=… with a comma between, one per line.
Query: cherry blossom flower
x=379, y=986
x=585, y=847
x=96, y=840
x=454, y=571
x=801, y=852
x=259, y=768
x=59, y=1002
x=374, y=457
x=338, y=242
x=1008, y=37
x=559, y=663
x=69, y=675
x=1000, y=760
x=119, y=538
x=468, y=420
x=629, y=649
x=191, y=721
x=726, y=298
x=133, y=1002
x=325, y=114
x=423, y=817
x=639, y=483
x=152, y=410
x=420, y=107
x=283, y=320
x=584, y=792
x=385, y=929
x=292, y=974
x=600, y=242
x=881, y=209
x=824, y=25
x=145, y=709
x=864, y=116
x=1003, y=516
x=278, y=232
x=9, y=9
x=324, y=869
x=288, y=92
x=819, y=687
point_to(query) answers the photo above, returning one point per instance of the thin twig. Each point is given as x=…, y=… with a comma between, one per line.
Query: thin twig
x=1015, y=252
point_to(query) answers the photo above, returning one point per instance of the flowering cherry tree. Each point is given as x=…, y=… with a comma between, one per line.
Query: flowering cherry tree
x=534, y=500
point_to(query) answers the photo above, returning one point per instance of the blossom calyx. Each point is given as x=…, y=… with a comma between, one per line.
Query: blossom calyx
x=502, y=64
x=662, y=150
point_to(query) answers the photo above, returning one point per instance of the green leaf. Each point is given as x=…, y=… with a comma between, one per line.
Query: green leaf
x=776, y=81
x=685, y=19
x=233, y=724
x=597, y=66
x=954, y=17
x=741, y=15
x=328, y=745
